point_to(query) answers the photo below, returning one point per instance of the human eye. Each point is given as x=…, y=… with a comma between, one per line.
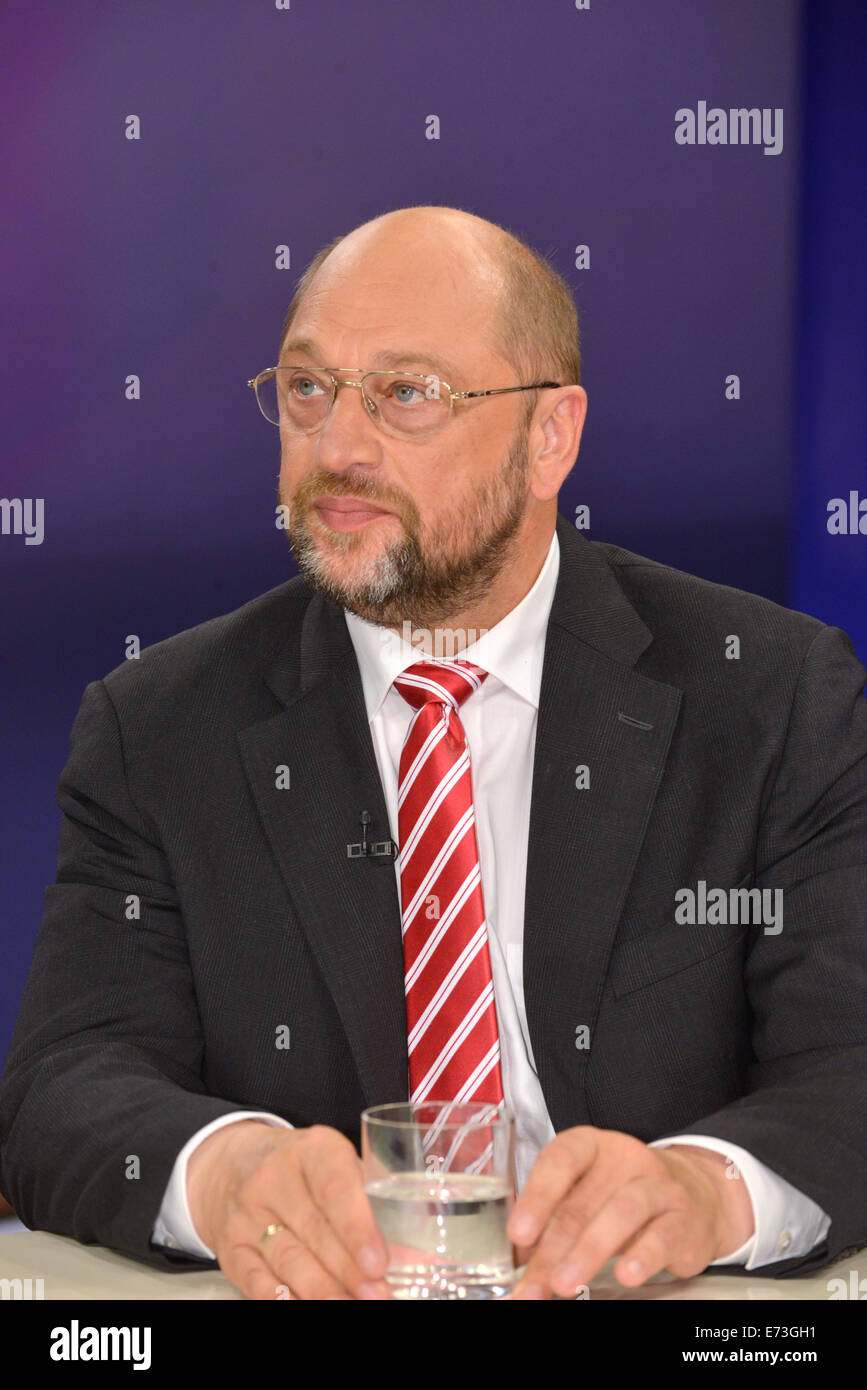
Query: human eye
x=304, y=384
x=408, y=390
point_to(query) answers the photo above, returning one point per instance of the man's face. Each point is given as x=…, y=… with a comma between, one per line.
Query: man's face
x=399, y=529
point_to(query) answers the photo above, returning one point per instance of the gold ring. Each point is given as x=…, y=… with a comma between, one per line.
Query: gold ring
x=269, y=1231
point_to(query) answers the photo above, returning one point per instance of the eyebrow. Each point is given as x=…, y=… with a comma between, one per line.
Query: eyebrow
x=401, y=357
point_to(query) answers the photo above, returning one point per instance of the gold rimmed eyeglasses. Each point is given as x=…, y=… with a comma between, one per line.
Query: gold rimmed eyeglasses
x=405, y=404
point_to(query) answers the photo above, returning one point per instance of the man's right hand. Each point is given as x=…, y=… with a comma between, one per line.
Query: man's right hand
x=249, y=1175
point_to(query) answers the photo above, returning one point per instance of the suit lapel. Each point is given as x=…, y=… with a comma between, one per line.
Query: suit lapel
x=584, y=843
x=349, y=908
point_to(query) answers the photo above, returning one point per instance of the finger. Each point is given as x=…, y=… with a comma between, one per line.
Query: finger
x=260, y=1268
x=279, y=1194
x=323, y=1270
x=246, y=1269
x=656, y=1247
x=573, y=1215
x=302, y=1275
x=625, y=1214
x=619, y=1159
x=570, y=1219
x=558, y=1167
x=313, y=1226
x=243, y=1261
x=523, y=1253
x=334, y=1177
x=237, y=1255
x=309, y=1279
x=292, y=1271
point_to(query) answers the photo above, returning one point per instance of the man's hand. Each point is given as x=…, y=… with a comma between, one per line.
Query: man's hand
x=595, y=1193
x=249, y=1175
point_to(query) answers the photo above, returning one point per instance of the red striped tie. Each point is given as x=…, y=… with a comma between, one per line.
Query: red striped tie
x=454, y=1049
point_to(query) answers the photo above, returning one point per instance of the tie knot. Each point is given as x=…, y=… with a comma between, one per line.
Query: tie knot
x=444, y=682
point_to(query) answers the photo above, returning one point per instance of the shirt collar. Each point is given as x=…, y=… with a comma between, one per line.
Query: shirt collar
x=512, y=650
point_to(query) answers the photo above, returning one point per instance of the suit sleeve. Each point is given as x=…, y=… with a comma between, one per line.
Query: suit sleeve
x=805, y=1111
x=783, y=1217
x=103, y=1082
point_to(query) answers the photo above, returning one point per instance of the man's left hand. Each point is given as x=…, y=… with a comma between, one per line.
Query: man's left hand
x=596, y=1193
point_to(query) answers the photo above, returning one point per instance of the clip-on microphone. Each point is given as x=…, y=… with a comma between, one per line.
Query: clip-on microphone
x=379, y=849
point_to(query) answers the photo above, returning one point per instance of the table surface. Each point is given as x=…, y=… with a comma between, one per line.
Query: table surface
x=73, y=1271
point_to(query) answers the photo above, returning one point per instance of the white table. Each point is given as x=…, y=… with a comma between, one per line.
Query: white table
x=73, y=1271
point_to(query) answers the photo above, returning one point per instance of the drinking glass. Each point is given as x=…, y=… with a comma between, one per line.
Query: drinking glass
x=440, y=1178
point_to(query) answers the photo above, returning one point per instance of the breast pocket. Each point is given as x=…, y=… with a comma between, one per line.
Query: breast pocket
x=670, y=948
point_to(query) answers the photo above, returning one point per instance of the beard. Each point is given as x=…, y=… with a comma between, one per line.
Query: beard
x=430, y=574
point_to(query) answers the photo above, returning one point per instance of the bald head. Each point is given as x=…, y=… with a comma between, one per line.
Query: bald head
x=435, y=231
x=461, y=270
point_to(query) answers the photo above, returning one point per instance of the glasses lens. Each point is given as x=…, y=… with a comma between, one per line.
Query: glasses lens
x=410, y=405
x=296, y=397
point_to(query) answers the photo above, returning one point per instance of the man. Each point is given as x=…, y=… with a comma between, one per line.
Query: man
x=221, y=984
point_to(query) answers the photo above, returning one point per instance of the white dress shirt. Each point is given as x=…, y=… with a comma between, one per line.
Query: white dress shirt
x=500, y=724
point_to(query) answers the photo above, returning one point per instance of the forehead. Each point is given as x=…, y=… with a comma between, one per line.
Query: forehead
x=395, y=304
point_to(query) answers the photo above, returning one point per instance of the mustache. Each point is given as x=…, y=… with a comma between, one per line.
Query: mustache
x=327, y=484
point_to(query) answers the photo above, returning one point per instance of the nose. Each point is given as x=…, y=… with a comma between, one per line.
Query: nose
x=348, y=435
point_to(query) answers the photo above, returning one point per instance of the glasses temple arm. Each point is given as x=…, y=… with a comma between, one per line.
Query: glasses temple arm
x=501, y=390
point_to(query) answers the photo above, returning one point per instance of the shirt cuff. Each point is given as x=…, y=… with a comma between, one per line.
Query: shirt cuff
x=787, y=1222
x=174, y=1225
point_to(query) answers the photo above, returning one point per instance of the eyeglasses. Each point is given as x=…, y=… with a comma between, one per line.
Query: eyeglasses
x=404, y=404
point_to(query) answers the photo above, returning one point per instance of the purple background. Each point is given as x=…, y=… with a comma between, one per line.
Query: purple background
x=262, y=127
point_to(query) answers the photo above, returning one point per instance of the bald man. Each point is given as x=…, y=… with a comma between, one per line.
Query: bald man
x=224, y=978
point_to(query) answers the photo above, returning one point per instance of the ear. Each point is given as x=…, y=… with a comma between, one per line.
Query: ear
x=555, y=437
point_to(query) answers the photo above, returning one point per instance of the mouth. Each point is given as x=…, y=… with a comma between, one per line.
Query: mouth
x=347, y=513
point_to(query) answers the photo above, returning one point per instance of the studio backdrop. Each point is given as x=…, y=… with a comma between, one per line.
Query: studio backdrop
x=691, y=167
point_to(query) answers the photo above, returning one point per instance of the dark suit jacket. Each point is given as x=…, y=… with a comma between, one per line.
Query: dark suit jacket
x=134, y=1033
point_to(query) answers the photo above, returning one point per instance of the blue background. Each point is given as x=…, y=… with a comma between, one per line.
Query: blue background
x=262, y=127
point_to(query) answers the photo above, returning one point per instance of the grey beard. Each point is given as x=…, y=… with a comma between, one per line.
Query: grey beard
x=406, y=587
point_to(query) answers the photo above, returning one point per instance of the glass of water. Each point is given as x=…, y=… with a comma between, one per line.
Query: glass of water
x=439, y=1176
